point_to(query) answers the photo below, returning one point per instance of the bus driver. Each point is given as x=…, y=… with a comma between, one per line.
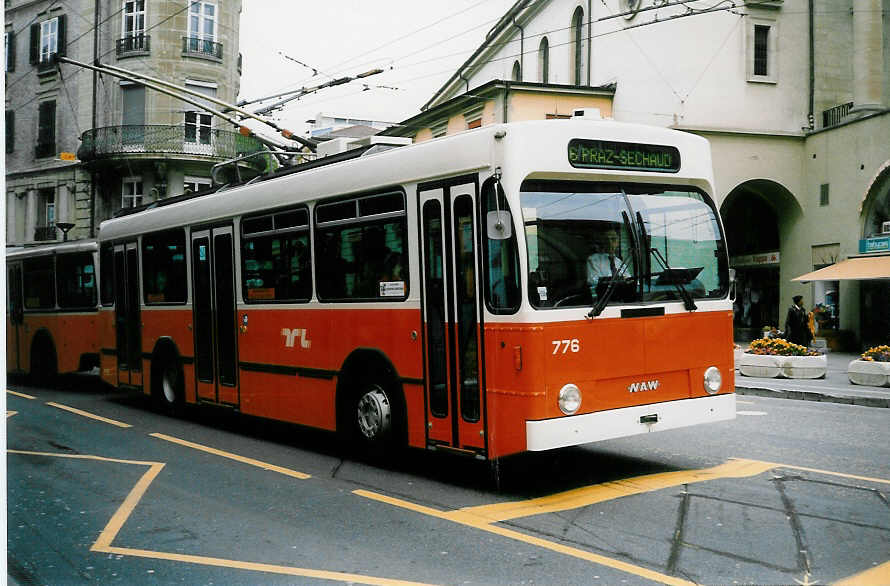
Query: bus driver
x=605, y=260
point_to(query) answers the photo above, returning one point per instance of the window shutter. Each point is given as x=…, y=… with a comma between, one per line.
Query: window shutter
x=35, y=44
x=63, y=37
x=10, y=64
x=10, y=131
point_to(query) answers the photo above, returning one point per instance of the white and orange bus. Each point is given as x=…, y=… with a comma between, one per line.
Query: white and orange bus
x=516, y=287
x=52, y=309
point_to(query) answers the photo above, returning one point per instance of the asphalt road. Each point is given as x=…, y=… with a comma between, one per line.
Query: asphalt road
x=790, y=492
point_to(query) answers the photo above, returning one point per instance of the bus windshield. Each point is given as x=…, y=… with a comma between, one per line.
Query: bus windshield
x=628, y=242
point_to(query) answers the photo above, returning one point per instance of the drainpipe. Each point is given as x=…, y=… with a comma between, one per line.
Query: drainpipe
x=590, y=40
x=521, y=49
x=811, y=121
x=95, y=118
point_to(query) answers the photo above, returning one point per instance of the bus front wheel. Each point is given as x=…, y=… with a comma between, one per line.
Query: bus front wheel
x=374, y=415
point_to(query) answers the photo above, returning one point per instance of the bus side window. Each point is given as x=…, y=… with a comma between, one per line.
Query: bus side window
x=39, y=283
x=502, y=286
x=163, y=267
x=76, y=280
x=276, y=257
x=362, y=249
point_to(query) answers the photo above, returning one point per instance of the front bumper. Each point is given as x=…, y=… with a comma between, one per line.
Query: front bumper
x=627, y=421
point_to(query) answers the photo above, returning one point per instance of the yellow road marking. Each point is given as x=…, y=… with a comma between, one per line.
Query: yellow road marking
x=236, y=457
x=23, y=395
x=90, y=415
x=11, y=413
x=607, y=491
x=103, y=543
x=484, y=525
x=830, y=473
x=877, y=576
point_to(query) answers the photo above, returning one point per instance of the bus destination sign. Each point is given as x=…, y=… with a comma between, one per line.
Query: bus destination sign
x=628, y=156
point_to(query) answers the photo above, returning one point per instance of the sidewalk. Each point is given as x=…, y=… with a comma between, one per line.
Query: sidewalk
x=834, y=388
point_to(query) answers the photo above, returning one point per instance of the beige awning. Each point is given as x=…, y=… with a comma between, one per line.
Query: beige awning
x=853, y=269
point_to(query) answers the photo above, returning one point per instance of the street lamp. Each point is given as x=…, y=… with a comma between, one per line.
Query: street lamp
x=64, y=227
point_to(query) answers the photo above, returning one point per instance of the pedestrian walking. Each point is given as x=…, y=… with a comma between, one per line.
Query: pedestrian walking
x=797, y=329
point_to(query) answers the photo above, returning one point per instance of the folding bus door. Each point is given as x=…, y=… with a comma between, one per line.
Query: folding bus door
x=127, y=316
x=451, y=317
x=216, y=352
x=15, y=317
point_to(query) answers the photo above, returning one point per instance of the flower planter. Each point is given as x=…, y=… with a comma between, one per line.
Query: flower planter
x=769, y=366
x=866, y=372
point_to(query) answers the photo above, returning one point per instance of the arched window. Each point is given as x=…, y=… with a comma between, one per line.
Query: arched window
x=577, y=47
x=517, y=71
x=544, y=61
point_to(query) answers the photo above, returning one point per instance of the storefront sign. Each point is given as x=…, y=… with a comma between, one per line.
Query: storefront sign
x=607, y=154
x=763, y=258
x=879, y=244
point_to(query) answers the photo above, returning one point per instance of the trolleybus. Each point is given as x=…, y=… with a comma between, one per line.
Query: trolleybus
x=52, y=309
x=516, y=287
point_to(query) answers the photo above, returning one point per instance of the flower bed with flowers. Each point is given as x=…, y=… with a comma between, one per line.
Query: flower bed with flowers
x=779, y=347
x=780, y=358
x=872, y=368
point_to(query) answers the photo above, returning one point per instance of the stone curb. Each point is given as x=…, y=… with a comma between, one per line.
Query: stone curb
x=818, y=397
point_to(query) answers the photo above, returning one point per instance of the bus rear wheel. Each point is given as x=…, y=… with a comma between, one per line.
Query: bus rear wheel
x=168, y=393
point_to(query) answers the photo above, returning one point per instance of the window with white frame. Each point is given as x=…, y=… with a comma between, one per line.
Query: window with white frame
x=762, y=38
x=131, y=192
x=49, y=39
x=198, y=127
x=133, y=21
x=195, y=184
x=202, y=21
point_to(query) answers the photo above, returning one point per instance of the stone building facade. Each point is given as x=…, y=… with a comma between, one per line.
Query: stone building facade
x=81, y=147
x=793, y=95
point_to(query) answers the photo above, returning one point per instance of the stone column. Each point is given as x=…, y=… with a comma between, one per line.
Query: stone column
x=175, y=180
x=868, y=56
x=11, y=216
x=30, y=216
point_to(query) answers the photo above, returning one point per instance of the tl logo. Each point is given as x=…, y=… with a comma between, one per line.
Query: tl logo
x=290, y=336
x=646, y=385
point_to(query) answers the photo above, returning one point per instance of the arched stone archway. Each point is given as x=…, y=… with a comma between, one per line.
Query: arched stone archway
x=874, y=318
x=754, y=214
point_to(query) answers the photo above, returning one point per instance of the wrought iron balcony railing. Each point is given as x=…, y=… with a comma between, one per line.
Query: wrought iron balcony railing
x=44, y=233
x=133, y=45
x=115, y=141
x=201, y=47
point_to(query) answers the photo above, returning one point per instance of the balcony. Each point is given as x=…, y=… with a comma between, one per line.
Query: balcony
x=45, y=233
x=133, y=46
x=835, y=115
x=114, y=142
x=195, y=47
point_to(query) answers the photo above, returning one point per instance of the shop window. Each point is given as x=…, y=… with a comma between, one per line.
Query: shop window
x=163, y=267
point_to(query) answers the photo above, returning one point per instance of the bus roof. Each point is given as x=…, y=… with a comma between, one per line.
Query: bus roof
x=520, y=148
x=31, y=251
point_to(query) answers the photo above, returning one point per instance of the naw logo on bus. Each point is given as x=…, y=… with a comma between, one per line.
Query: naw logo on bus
x=291, y=335
x=646, y=385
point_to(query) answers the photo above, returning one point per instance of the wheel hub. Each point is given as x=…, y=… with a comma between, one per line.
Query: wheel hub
x=374, y=414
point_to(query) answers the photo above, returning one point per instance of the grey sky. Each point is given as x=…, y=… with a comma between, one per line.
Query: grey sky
x=419, y=43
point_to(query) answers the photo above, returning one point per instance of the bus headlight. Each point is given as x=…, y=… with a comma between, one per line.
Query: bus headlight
x=569, y=399
x=713, y=380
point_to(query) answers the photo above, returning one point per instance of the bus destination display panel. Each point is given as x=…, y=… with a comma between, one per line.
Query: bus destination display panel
x=629, y=156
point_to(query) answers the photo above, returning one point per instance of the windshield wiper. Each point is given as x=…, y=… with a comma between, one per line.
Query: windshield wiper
x=601, y=302
x=688, y=302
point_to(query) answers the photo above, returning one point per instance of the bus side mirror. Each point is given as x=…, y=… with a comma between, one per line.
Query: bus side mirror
x=500, y=225
x=732, y=284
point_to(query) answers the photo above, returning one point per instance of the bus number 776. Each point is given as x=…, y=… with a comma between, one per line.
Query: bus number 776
x=574, y=345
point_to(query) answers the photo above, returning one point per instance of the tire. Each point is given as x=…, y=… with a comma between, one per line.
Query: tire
x=44, y=365
x=168, y=386
x=375, y=421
